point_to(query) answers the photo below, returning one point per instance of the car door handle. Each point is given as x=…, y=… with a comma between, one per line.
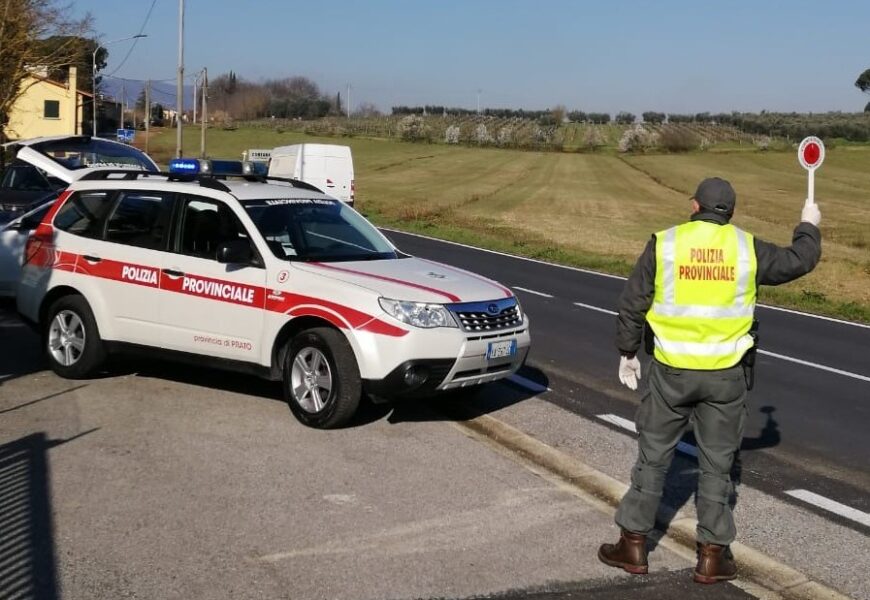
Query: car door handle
x=92, y=259
x=173, y=273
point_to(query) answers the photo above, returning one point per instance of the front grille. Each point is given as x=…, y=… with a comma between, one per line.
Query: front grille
x=479, y=317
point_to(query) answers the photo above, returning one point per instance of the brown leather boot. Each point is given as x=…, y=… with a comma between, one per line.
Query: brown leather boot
x=628, y=554
x=715, y=564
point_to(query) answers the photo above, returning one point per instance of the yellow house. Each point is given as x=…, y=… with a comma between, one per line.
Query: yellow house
x=47, y=108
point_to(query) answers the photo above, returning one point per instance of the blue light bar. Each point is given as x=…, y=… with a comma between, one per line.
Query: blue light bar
x=226, y=167
x=184, y=165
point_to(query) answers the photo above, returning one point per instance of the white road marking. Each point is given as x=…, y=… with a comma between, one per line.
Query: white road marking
x=542, y=294
x=799, y=361
x=822, y=317
x=528, y=384
x=533, y=260
x=814, y=365
x=829, y=505
x=619, y=422
x=590, y=307
x=630, y=426
x=608, y=275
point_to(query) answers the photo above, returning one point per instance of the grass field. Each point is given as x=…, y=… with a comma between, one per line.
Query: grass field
x=598, y=210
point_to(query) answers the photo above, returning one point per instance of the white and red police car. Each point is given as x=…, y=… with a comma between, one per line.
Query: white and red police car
x=266, y=276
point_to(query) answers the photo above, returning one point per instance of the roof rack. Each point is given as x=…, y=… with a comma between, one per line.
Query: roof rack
x=127, y=174
x=296, y=182
x=205, y=180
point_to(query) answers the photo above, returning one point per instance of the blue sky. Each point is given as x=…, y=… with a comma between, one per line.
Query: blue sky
x=670, y=56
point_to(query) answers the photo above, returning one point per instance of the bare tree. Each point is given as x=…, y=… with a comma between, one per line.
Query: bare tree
x=366, y=109
x=558, y=113
x=24, y=25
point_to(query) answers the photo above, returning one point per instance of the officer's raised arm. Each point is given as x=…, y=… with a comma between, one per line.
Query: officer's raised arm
x=778, y=265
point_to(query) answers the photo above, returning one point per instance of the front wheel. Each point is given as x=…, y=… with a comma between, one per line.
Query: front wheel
x=72, y=340
x=321, y=378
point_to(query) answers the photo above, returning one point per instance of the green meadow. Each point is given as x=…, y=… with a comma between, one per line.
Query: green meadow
x=596, y=210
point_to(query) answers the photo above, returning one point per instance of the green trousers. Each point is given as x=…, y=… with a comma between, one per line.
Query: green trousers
x=716, y=402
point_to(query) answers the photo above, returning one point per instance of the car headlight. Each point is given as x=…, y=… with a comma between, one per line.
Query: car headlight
x=418, y=314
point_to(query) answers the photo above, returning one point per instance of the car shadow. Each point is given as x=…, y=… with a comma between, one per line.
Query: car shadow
x=457, y=405
x=468, y=403
x=20, y=353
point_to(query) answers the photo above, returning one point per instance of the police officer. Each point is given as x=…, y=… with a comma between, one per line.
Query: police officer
x=695, y=286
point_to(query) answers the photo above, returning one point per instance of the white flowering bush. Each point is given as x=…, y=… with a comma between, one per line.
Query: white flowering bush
x=505, y=136
x=451, y=136
x=762, y=143
x=481, y=135
x=413, y=128
x=637, y=139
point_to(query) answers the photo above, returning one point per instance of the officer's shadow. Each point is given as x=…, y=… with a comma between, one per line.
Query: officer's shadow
x=681, y=482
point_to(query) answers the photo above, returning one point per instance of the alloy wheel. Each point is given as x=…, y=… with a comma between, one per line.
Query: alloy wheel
x=66, y=338
x=311, y=379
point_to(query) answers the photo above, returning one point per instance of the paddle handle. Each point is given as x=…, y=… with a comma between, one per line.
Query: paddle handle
x=811, y=186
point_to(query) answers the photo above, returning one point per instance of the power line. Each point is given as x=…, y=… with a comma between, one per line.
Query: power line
x=135, y=40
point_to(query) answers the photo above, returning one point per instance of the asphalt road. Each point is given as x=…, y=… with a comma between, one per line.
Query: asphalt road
x=162, y=481
x=158, y=480
x=808, y=424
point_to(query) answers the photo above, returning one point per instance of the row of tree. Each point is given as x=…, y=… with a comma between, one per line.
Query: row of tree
x=287, y=98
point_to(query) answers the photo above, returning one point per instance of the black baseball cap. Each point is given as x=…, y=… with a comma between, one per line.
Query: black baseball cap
x=716, y=195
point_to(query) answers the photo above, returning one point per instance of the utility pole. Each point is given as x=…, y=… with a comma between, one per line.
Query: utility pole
x=147, y=113
x=123, y=100
x=179, y=103
x=94, y=70
x=195, y=82
x=348, y=100
x=204, y=117
x=478, y=101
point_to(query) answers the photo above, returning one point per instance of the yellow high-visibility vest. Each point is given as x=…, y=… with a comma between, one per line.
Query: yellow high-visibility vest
x=705, y=295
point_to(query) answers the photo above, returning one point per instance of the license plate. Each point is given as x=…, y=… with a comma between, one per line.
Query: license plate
x=501, y=349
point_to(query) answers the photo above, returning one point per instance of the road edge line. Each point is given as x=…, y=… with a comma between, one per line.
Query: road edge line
x=607, y=275
x=754, y=565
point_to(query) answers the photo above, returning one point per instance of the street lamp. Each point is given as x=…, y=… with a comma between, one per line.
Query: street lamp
x=94, y=70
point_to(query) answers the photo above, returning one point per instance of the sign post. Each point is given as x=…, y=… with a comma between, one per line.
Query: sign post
x=126, y=136
x=811, y=155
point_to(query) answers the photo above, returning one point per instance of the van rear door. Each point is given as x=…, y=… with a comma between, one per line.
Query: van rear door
x=338, y=172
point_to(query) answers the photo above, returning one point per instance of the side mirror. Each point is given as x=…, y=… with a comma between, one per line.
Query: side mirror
x=235, y=252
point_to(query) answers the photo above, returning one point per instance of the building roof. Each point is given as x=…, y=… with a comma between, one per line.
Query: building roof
x=58, y=84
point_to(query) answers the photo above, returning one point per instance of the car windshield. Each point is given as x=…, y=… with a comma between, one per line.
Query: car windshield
x=317, y=229
x=80, y=153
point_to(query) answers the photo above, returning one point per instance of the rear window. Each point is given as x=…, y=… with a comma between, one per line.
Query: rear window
x=79, y=153
x=84, y=213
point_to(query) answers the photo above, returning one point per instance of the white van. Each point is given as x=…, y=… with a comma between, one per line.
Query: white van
x=326, y=166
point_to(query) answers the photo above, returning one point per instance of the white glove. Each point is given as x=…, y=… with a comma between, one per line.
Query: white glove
x=629, y=371
x=811, y=213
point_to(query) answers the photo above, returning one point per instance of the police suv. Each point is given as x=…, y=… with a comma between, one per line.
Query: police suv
x=264, y=275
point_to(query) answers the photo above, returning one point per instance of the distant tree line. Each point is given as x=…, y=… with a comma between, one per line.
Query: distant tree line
x=452, y=111
x=550, y=116
x=289, y=98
